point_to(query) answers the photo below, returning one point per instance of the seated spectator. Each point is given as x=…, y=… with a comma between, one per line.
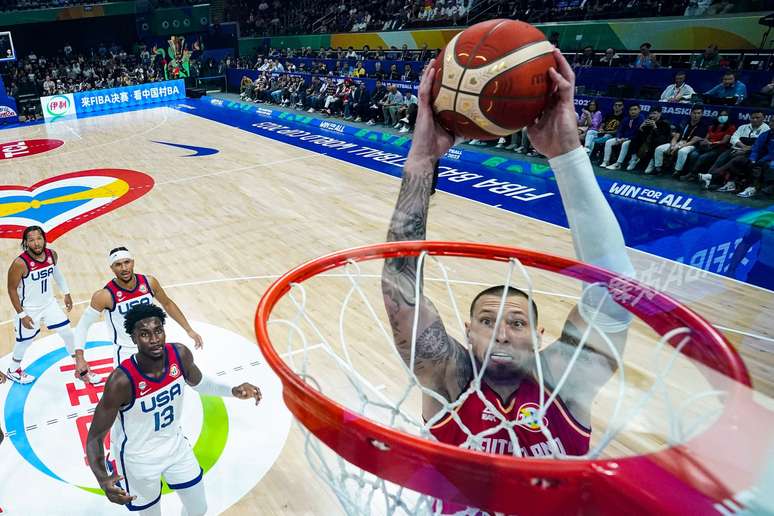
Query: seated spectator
x=314, y=93
x=708, y=149
x=626, y=131
x=610, y=59
x=378, y=73
x=335, y=96
x=729, y=88
x=358, y=106
x=407, y=114
x=375, y=107
x=761, y=168
x=654, y=131
x=709, y=60
x=735, y=160
x=679, y=91
x=769, y=90
x=408, y=74
x=394, y=74
x=609, y=127
x=645, y=59
x=590, y=119
x=359, y=71
x=587, y=59
x=390, y=104
x=697, y=7
x=681, y=145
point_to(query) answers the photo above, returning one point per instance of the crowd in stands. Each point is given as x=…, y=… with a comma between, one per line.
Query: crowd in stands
x=23, y=5
x=103, y=67
x=276, y=17
x=713, y=152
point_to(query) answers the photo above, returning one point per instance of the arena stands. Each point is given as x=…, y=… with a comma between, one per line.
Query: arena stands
x=275, y=17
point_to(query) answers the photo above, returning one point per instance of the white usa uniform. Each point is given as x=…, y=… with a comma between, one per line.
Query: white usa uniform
x=147, y=440
x=36, y=293
x=123, y=300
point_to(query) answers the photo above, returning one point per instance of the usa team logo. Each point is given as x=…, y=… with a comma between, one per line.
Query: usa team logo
x=50, y=260
x=48, y=422
x=142, y=385
x=120, y=294
x=173, y=371
x=527, y=417
x=143, y=289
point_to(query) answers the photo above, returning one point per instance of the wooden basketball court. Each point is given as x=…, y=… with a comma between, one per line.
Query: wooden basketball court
x=216, y=230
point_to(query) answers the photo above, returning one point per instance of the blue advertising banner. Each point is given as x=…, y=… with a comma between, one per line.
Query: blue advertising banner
x=128, y=97
x=8, y=112
x=693, y=230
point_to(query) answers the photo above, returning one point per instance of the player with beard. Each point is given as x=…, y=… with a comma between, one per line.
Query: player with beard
x=510, y=382
x=31, y=291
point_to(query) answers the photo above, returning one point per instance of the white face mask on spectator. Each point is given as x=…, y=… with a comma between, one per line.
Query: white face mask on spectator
x=722, y=119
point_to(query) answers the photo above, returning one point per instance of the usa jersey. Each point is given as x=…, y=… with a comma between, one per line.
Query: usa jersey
x=149, y=426
x=569, y=436
x=123, y=300
x=36, y=288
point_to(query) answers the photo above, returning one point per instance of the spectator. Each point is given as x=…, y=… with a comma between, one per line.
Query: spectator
x=407, y=114
x=610, y=59
x=394, y=73
x=709, y=60
x=378, y=73
x=609, y=127
x=653, y=132
x=314, y=94
x=762, y=160
x=681, y=145
x=679, y=91
x=359, y=71
x=733, y=161
x=390, y=104
x=587, y=59
x=697, y=7
x=645, y=59
x=359, y=104
x=375, y=107
x=626, y=131
x=729, y=88
x=708, y=149
x=590, y=119
x=408, y=74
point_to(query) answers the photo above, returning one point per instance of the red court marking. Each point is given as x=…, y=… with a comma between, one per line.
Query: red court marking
x=23, y=148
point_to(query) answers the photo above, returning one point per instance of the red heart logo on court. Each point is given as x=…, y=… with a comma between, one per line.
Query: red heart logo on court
x=61, y=203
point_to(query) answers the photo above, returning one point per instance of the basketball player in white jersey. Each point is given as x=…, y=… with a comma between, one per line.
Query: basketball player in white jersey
x=143, y=402
x=509, y=381
x=31, y=290
x=115, y=299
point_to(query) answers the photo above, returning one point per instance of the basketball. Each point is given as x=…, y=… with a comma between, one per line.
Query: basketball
x=492, y=79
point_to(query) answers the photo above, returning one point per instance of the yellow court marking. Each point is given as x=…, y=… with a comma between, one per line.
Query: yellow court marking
x=115, y=189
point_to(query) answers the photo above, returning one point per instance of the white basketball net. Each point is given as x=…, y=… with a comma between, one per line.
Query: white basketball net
x=361, y=492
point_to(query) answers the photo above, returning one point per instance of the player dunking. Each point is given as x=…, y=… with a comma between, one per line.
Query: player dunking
x=142, y=401
x=115, y=299
x=510, y=380
x=31, y=290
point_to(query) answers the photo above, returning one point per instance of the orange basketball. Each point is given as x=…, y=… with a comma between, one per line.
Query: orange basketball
x=492, y=79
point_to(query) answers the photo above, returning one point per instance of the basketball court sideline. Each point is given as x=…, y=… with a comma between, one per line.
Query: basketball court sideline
x=216, y=230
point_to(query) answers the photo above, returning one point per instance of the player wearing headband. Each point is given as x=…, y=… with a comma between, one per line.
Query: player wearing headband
x=115, y=299
x=31, y=290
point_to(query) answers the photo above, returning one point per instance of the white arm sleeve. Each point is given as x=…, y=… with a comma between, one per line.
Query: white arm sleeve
x=596, y=236
x=210, y=387
x=60, y=280
x=89, y=317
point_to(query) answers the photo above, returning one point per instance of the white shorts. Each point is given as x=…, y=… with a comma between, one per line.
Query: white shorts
x=180, y=470
x=51, y=315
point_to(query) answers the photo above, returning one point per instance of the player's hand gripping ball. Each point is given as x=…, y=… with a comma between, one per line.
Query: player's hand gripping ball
x=492, y=79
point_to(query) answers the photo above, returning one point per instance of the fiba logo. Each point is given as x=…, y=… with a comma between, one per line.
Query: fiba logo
x=58, y=105
x=527, y=417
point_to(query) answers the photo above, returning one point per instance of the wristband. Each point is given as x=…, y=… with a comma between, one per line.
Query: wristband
x=22, y=314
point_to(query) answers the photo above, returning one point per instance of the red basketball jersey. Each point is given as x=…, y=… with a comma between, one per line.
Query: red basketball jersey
x=570, y=437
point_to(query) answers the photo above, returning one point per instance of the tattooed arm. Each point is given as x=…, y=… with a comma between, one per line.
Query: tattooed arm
x=440, y=362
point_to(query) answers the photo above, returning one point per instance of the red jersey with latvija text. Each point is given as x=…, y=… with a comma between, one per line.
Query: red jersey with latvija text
x=569, y=436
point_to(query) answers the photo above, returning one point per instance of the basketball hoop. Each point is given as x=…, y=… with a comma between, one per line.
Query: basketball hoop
x=682, y=478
